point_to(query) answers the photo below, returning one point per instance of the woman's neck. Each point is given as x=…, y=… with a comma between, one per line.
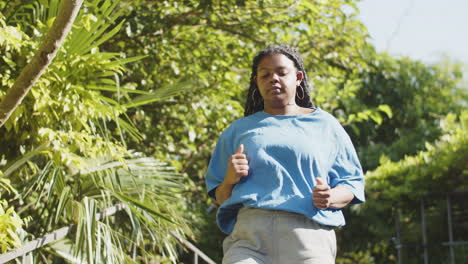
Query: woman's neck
x=289, y=109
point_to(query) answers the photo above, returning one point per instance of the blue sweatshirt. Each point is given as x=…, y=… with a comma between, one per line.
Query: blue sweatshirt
x=285, y=154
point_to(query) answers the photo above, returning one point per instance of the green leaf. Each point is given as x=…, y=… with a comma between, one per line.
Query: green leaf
x=160, y=93
x=143, y=206
x=386, y=109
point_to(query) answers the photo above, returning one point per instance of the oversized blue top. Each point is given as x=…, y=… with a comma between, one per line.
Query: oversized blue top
x=285, y=154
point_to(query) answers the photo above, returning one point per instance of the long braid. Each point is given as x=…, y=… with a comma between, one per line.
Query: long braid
x=254, y=101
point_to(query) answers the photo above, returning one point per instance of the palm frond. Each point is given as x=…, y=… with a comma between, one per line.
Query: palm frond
x=97, y=31
x=147, y=218
x=161, y=93
x=14, y=165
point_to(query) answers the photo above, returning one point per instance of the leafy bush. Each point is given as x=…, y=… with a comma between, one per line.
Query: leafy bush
x=10, y=222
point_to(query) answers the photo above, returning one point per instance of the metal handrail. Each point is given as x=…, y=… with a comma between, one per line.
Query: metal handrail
x=197, y=252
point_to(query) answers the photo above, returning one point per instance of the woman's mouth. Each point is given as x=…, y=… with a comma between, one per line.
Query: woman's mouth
x=275, y=89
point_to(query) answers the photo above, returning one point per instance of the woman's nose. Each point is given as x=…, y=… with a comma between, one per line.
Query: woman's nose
x=274, y=78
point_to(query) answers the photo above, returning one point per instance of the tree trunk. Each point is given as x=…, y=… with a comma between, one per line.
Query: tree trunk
x=41, y=60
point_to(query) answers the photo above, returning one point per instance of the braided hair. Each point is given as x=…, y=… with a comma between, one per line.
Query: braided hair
x=254, y=101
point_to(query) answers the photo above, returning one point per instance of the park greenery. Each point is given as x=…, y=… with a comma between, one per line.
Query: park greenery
x=131, y=106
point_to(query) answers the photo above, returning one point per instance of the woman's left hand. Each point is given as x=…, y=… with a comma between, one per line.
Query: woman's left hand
x=321, y=194
x=325, y=197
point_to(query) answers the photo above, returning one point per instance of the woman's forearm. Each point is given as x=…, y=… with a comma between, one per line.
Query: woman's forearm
x=223, y=192
x=340, y=197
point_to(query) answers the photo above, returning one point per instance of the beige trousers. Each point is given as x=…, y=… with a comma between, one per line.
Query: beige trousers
x=278, y=237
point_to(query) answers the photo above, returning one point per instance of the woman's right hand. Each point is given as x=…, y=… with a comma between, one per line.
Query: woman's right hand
x=238, y=167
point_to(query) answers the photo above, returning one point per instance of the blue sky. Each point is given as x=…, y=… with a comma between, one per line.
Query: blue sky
x=421, y=29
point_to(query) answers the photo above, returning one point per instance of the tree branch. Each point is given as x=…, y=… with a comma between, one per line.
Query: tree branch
x=41, y=60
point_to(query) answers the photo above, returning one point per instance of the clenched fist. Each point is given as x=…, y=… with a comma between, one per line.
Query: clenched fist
x=238, y=166
x=321, y=194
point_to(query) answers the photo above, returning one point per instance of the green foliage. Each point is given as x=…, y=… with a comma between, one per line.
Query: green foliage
x=430, y=174
x=419, y=96
x=64, y=147
x=442, y=167
x=360, y=257
x=10, y=222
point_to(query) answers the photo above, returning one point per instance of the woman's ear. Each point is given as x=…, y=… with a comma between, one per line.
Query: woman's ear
x=254, y=79
x=299, y=77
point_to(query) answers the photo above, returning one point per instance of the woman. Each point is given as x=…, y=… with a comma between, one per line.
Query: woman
x=283, y=172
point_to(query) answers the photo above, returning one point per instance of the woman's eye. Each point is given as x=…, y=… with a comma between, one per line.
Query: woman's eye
x=264, y=75
x=283, y=73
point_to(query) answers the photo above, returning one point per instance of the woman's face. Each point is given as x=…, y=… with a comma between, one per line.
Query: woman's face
x=277, y=79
